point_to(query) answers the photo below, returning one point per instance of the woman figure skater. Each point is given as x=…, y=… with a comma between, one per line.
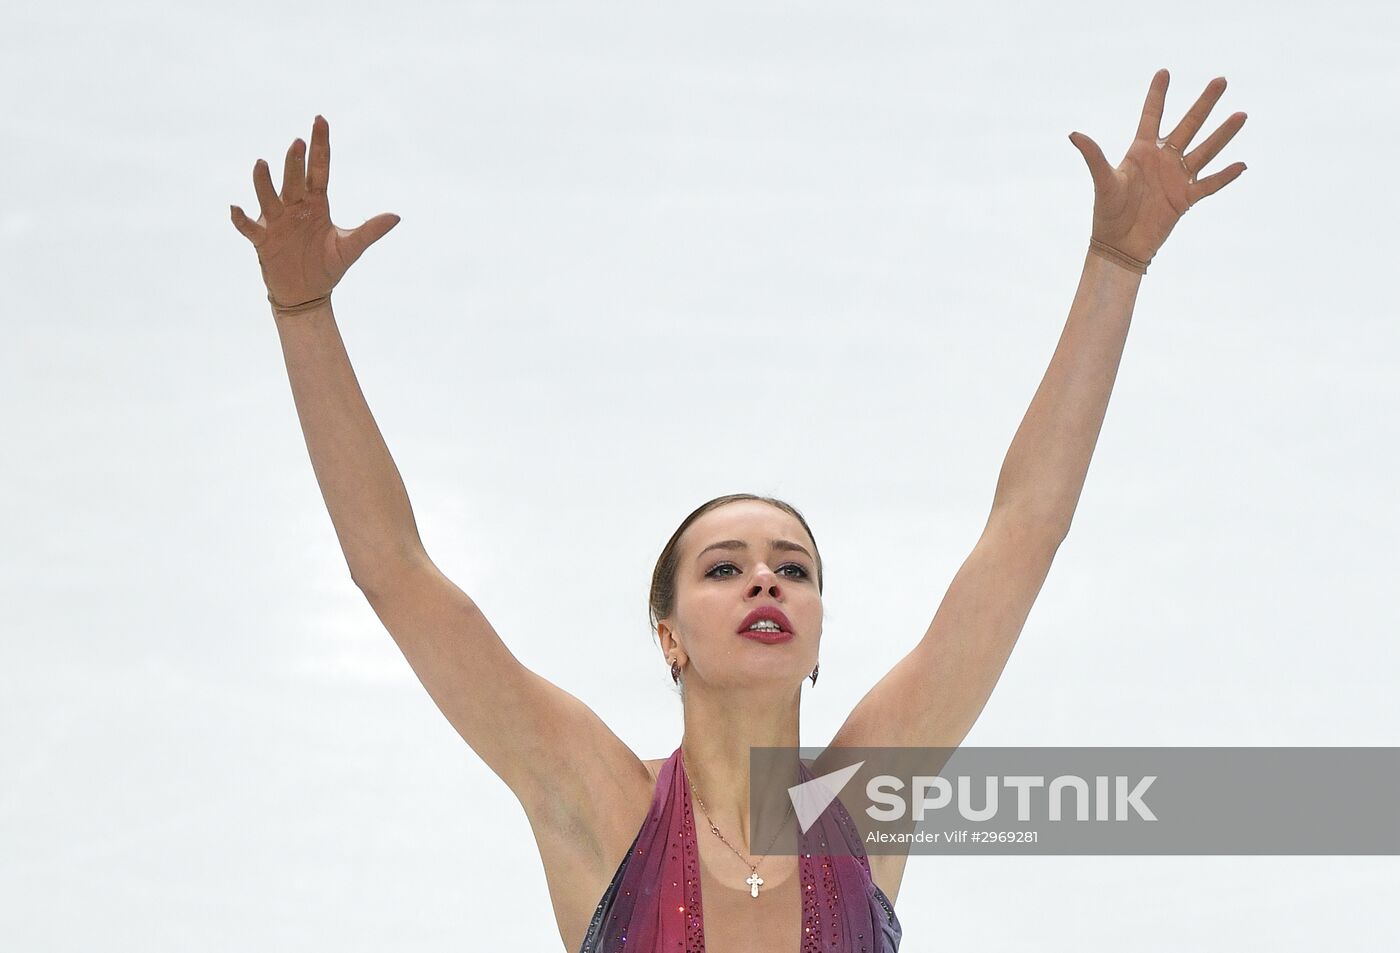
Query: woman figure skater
x=736, y=601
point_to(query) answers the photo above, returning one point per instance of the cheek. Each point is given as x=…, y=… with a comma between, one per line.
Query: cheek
x=699, y=608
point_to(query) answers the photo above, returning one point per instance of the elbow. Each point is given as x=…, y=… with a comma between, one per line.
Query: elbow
x=385, y=574
x=1047, y=513
x=1043, y=527
x=1058, y=527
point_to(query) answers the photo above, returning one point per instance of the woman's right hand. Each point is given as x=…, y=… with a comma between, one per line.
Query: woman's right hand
x=303, y=256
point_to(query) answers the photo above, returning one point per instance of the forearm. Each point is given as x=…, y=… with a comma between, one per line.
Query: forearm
x=1044, y=470
x=360, y=483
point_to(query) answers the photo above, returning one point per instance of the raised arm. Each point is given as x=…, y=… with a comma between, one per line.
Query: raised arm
x=932, y=697
x=538, y=738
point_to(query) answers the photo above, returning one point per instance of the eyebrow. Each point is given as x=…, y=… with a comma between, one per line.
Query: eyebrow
x=782, y=544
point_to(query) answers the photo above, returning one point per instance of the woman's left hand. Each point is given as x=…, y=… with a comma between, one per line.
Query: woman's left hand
x=1138, y=204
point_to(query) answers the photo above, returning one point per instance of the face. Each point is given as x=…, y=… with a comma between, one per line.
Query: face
x=734, y=559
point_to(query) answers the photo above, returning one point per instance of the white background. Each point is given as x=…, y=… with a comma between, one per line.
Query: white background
x=651, y=254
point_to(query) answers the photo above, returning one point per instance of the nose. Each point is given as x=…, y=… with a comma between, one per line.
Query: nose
x=765, y=579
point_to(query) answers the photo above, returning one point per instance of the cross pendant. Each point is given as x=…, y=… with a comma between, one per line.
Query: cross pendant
x=753, y=882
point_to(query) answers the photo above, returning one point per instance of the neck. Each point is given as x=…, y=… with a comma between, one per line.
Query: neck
x=720, y=728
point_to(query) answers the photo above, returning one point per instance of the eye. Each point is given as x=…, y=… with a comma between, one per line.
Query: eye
x=801, y=571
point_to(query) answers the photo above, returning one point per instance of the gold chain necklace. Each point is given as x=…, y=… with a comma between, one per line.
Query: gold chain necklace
x=754, y=881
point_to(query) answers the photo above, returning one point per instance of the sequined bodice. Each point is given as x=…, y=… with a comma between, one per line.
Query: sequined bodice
x=655, y=902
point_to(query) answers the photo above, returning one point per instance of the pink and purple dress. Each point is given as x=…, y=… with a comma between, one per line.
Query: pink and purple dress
x=653, y=903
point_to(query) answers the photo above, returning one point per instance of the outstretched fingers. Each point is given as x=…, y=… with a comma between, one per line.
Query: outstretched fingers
x=250, y=230
x=319, y=173
x=1150, y=126
x=1197, y=158
x=294, y=173
x=1214, y=183
x=353, y=242
x=1195, y=117
x=267, y=195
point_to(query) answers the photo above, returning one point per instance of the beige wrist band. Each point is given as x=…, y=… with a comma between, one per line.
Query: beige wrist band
x=305, y=306
x=1118, y=257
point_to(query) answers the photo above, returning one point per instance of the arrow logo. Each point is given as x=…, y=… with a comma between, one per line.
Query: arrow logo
x=810, y=798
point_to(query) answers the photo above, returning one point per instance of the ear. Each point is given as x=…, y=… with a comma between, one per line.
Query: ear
x=671, y=647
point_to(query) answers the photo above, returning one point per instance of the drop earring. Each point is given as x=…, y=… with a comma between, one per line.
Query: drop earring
x=675, y=671
x=813, y=676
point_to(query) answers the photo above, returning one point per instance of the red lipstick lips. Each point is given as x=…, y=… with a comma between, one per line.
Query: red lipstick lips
x=771, y=614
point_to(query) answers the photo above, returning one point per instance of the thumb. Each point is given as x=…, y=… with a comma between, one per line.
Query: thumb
x=252, y=231
x=1099, y=168
x=353, y=245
